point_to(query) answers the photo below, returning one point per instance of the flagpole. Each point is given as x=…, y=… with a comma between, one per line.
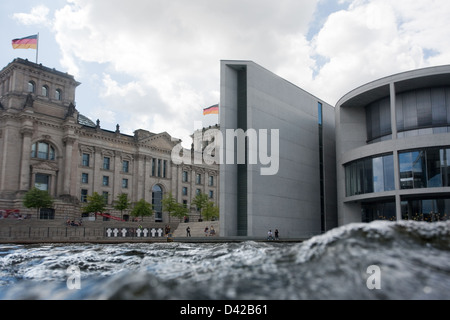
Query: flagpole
x=37, y=49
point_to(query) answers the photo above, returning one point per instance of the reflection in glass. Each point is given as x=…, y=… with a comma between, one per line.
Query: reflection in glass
x=370, y=175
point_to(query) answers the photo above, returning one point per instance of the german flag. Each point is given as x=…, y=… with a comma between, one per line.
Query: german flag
x=211, y=110
x=26, y=43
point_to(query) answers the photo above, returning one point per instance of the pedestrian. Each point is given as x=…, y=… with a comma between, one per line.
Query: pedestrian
x=206, y=231
x=212, y=232
x=188, y=232
x=269, y=235
x=277, y=234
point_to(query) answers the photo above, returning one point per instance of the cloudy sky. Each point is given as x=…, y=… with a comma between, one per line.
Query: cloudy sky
x=155, y=64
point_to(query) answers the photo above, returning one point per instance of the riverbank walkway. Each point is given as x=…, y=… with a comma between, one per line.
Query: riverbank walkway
x=33, y=231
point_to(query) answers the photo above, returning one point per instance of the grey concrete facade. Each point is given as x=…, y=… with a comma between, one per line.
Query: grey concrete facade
x=415, y=119
x=300, y=199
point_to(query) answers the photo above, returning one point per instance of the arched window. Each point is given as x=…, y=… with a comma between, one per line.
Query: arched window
x=43, y=150
x=58, y=94
x=31, y=86
x=157, y=196
x=45, y=91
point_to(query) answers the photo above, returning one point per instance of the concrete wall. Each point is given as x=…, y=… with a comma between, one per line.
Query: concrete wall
x=289, y=200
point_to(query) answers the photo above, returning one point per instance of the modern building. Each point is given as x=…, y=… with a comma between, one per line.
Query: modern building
x=393, y=148
x=46, y=143
x=284, y=177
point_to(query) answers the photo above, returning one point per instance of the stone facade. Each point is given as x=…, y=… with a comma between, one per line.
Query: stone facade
x=45, y=142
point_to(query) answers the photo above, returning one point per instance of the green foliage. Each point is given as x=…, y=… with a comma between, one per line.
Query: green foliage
x=180, y=211
x=173, y=208
x=96, y=203
x=169, y=204
x=122, y=203
x=210, y=211
x=37, y=199
x=200, y=201
x=142, y=209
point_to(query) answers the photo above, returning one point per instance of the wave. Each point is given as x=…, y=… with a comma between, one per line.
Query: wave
x=380, y=260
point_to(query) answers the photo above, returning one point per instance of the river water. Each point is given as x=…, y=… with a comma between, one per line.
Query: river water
x=412, y=261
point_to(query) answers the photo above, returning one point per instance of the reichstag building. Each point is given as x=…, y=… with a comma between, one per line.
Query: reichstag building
x=46, y=143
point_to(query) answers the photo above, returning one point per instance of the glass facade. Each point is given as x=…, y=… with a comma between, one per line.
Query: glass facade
x=379, y=211
x=378, y=120
x=428, y=168
x=370, y=175
x=424, y=111
x=429, y=210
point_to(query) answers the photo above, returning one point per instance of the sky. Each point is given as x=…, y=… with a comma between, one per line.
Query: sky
x=155, y=64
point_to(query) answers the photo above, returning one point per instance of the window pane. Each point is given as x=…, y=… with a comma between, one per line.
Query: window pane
x=445, y=165
x=31, y=87
x=378, y=175
x=418, y=158
x=439, y=110
x=424, y=117
x=406, y=175
x=85, y=159
x=52, y=154
x=106, y=161
x=389, y=177
x=33, y=151
x=41, y=182
x=43, y=151
x=125, y=166
x=434, y=168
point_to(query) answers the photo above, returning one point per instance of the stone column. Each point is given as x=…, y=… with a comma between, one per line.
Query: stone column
x=24, y=183
x=68, y=142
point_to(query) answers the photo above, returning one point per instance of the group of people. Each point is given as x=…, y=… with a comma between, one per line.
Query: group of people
x=208, y=231
x=270, y=235
x=74, y=223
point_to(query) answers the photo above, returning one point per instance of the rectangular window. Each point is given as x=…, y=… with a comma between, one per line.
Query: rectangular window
x=198, y=191
x=198, y=178
x=84, y=195
x=125, y=166
x=211, y=194
x=125, y=183
x=211, y=181
x=86, y=158
x=165, y=169
x=106, y=163
x=105, y=196
x=445, y=165
x=185, y=176
x=185, y=191
x=159, y=167
x=84, y=178
x=320, y=107
x=42, y=182
x=105, y=181
x=153, y=167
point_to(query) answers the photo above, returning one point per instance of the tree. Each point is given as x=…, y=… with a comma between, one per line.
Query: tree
x=169, y=204
x=37, y=199
x=180, y=211
x=210, y=211
x=96, y=203
x=122, y=203
x=200, y=202
x=142, y=209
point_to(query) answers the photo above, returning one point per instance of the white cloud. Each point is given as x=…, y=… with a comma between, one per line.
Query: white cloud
x=161, y=58
x=38, y=15
x=172, y=50
x=377, y=38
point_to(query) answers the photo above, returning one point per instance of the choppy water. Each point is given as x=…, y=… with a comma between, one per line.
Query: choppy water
x=414, y=262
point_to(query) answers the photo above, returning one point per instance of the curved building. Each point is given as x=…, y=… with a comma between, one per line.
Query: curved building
x=393, y=148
